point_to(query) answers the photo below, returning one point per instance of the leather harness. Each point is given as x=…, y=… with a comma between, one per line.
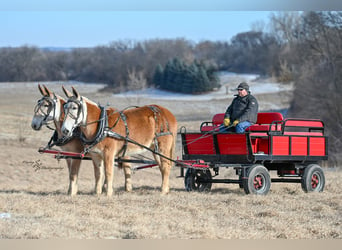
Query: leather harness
x=104, y=131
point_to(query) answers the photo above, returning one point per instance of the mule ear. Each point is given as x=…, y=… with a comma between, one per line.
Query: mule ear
x=66, y=92
x=76, y=94
x=48, y=92
x=42, y=90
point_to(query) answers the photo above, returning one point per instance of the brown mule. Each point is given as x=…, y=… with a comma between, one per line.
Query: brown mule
x=50, y=110
x=152, y=126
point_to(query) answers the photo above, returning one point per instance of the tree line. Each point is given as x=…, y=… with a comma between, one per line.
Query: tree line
x=300, y=47
x=132, y=64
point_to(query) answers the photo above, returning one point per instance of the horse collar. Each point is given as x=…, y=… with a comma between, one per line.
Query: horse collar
x=100, y=133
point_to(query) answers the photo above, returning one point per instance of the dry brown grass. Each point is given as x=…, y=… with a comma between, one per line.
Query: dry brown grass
x=38, y=206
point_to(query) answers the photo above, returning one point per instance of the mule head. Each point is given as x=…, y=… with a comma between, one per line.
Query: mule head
x=75, y=110
x=47, y=108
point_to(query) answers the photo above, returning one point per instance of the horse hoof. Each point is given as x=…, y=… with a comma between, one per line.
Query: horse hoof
x=165, y=192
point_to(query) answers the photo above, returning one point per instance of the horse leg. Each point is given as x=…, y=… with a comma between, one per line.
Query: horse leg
x=104, y=186
x=109, y=171
x=74, y=167
x=98, y=172
x=128, y=174
x=166, y=148
x=127, y=171
x=164, y=167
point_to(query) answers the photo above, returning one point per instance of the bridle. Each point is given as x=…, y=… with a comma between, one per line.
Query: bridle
x=80, y=110
x=52, y=106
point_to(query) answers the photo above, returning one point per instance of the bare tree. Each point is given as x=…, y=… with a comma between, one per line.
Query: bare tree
x=318, y=80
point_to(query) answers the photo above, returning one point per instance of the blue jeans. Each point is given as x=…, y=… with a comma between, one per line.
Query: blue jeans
x=240, y=128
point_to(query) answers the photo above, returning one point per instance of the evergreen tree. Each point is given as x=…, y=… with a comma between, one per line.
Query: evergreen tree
x=158, y=77
x=203, y=83
x=179, y=68
x=168, y=76
x=180, y=77
x=188, y=79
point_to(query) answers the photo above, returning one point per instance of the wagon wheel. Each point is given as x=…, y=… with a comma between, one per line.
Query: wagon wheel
x=258, y=180
x=197, y=180
x=313, y=179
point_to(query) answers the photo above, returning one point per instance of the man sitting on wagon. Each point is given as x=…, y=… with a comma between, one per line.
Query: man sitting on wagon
x=242, y=112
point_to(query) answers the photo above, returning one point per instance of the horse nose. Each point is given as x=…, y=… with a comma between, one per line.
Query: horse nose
x=35, y=126
x=65, y=131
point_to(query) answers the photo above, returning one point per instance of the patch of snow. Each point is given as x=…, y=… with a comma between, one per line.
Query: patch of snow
x=157, y=94
x=225, y=75
x=153, y=93
x=266, y=88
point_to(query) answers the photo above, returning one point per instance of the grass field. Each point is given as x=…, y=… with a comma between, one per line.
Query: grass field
x=34, y=203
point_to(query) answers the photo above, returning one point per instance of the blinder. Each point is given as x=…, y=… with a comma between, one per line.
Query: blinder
x=52, y=106
x=79, y=104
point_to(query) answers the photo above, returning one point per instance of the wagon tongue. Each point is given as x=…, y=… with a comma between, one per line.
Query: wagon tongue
x=192, y=164
x=63, y=154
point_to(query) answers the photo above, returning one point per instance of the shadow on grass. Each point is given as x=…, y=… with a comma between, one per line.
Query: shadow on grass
x=153, y=190
x=141, y=190
x=43, y=193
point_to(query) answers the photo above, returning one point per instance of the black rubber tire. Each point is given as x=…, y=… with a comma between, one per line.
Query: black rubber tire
x=313, y=179
x=194, y=178
x=258, y=180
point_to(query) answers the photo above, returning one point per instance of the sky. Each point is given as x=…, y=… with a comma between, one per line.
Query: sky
x=92, y=28
x=89, y=23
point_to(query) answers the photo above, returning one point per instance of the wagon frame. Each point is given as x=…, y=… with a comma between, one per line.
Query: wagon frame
x=291, y=147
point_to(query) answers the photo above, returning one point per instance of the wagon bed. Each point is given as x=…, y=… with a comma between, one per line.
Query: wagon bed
x=292, y=147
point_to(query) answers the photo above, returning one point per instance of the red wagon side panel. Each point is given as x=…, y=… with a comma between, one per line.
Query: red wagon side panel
x=317, y=146
x=280, y=145
x=198, y=144
x=299, y=145
x=232, y=144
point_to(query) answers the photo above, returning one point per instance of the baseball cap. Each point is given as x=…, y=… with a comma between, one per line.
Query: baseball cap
x=243, y=85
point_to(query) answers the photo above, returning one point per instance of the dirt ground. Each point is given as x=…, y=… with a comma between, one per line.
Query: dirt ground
x=34, y=201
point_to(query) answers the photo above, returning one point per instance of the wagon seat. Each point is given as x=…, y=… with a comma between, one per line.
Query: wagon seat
x=214, y=124
x=266, y=121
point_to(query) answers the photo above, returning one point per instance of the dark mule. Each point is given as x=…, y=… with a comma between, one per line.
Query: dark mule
x=152, y=126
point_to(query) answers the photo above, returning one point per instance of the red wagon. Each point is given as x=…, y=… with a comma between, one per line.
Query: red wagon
x=291, y=147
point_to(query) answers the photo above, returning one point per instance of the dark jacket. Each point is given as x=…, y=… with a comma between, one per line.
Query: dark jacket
x=243, y=109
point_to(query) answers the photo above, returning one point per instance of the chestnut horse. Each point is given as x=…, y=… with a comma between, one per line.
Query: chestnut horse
x=150, y=127
x=49, y=109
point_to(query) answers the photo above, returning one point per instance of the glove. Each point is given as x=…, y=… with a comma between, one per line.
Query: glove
x=235, y=123
x=226, y=122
